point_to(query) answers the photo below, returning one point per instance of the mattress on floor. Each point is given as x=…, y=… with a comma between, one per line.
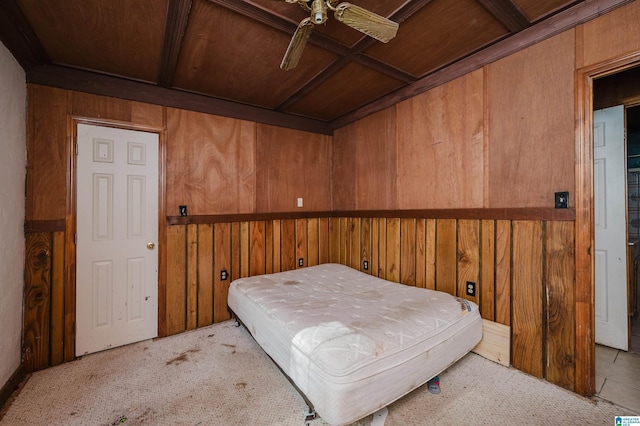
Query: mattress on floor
x=351, y=342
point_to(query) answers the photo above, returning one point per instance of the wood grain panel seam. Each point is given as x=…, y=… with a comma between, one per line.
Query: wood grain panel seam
x=485, y=138
x=545, y=301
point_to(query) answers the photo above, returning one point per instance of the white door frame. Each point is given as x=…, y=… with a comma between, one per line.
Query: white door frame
x=71, y=222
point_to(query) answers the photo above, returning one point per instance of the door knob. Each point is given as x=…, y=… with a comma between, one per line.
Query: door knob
x=150, y=246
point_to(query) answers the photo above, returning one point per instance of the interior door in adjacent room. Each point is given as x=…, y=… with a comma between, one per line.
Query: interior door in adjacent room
x=609, y=198
x=117, y=235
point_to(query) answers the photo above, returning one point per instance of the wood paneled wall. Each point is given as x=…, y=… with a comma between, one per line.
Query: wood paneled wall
x=612, y=35
x=291, y=165
x=523, y=270
x=522, y=107
x=365, y=164
x=499, y=137
x=198, y=253
x=214, y=165
x=441, y=139
x=210, y=163
x=530, y=101
x=45, y=311
x=49, y=142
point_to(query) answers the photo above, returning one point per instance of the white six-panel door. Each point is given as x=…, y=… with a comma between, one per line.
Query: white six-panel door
x=610, y=222
x=117, y=235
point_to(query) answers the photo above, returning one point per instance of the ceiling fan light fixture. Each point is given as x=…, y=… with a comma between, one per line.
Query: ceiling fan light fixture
x=356, y=17
x=319, y=12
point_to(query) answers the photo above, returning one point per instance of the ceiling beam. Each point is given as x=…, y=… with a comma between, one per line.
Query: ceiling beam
x=507, y=13
x=104, y=85
x=337, y=66
x=318, y=39
x=275, y=21
x=18, y=36
x=174, y=30
x=320, y=78
x=565, y=20
x=408, y=9
x=383, y=68
x=346, y=54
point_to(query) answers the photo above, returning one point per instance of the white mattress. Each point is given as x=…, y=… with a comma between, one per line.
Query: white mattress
x=351, y=342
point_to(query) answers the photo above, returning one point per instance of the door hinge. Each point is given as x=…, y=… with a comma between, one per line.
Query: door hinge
x=75, y=149
x=75, y=238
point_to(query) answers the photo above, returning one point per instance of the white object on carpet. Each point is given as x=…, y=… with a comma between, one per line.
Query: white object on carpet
x=380, y=416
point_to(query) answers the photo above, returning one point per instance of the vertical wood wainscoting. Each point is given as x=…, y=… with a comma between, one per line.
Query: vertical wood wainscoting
x=523, y=269
x=43, y=326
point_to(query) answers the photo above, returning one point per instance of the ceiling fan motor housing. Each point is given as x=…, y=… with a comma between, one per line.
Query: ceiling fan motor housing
x=318, y=12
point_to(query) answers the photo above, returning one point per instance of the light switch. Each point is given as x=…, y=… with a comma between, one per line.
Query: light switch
x=562, y=200
x=299, y=202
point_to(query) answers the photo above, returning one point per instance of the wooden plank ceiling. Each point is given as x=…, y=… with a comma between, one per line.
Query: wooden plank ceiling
x=223, y=56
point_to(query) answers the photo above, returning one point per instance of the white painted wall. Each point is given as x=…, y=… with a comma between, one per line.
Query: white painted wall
x=13, y=158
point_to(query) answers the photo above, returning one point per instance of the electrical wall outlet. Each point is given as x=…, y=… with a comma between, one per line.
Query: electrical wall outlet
x=224, y=275
x=365, y=265
x=471, y=289
x=182, y=210
x=301, y=262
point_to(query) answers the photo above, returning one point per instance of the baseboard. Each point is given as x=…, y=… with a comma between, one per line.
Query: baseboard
x=496, y=342
x=12, y=384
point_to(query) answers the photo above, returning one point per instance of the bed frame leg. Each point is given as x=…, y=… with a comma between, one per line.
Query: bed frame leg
x=234, y=317
x=309, y=415
x=311, y=412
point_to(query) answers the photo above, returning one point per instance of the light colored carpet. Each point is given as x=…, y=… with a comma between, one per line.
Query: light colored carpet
x=218, y=375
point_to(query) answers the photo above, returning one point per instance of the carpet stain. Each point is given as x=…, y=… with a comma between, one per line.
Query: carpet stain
x=184, y=356
x=119, y=421
x=178, y=360
x=230, y=346
x=146, y=416
x=241, y=385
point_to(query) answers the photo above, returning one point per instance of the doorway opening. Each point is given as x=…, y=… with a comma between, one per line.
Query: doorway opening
x=614, y=380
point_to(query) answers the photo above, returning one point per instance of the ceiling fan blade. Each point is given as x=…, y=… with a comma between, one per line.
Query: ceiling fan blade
x=369, y=23
x=297, y=44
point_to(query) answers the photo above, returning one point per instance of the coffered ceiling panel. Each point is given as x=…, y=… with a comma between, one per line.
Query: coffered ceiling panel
x=227, y=55
x=223, y=56
x=342, y=92
x=121, y=37
x=438, y=34
x=538, y=9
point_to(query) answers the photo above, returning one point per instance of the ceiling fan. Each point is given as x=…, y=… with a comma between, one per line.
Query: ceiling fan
x=369, y=23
